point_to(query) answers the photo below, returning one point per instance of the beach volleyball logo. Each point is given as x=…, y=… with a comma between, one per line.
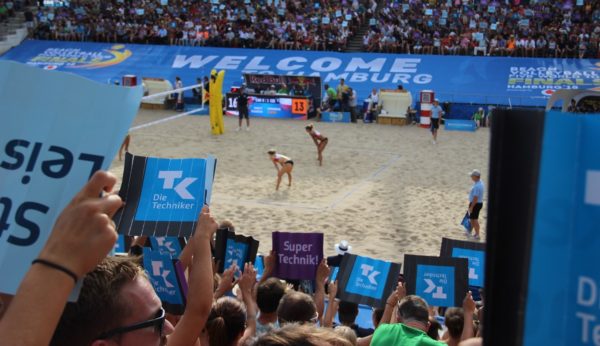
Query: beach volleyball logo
x=54, y=58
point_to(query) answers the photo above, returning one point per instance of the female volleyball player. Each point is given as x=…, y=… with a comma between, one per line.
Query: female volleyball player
x=320, y=141
x=287, y=165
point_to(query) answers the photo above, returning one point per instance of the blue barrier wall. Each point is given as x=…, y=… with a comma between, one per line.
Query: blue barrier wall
x=455, y=79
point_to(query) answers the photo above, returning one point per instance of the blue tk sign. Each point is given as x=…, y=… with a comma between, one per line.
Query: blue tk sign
x=161, y=273
x=368, y=277
x=435, y=284
x=235, y=253
x=476, y=264
x=173, y=190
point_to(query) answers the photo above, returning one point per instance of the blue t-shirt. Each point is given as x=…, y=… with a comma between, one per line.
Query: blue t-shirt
x=436, y=112
x=477, y=190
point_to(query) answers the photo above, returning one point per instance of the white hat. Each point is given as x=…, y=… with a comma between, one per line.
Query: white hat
x=342, y=248
x=475, y=173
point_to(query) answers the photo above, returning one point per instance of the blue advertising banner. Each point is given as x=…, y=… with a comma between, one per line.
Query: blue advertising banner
x=335, y=117
x=57, y=130
x=474, y=252
x=163, y=196
x=459, y=125
x=365, y=280
x=441, y=281
x=482, y=80
x=163, y=277
x=565, y=236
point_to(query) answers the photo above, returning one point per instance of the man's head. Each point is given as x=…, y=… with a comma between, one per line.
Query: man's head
x=296, y=307
x=326, y=86
x=342, y=81
x=436, y=102
x=413, y=309
x=454, y=319
x=475, y=175
x=347, y=313
x=116, y=294
x=268, y=295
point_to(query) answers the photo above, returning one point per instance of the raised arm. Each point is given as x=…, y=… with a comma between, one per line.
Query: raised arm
x=322, y=275
x=83, y=235
x=332, y=306
x=246, y=284
x=199, y=301
x=392, y=303
x=469, y=310
x=270, y=262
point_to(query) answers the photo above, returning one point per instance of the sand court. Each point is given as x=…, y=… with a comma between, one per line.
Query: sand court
x=386, y=189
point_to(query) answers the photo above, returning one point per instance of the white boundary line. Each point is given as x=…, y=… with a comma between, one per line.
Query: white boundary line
x=169, y=92
x=360, y=184
x=160, y=121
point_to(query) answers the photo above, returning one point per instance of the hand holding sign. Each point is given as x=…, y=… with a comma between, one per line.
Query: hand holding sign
x=207, y=226
x=84, y=232
x=322, y=272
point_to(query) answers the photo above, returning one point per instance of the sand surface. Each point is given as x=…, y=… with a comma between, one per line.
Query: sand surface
x=387, y=190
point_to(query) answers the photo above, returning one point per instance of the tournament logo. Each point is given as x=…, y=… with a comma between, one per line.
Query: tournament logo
x=53, y=58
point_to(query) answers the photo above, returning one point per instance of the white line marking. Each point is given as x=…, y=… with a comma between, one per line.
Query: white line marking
x=365, y=181
x=160, y=121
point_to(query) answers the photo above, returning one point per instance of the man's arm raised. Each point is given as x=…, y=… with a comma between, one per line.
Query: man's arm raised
x=83, y=235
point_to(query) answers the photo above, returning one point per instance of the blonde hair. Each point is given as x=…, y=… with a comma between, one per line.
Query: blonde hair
x=347, y=333
x=301, y=334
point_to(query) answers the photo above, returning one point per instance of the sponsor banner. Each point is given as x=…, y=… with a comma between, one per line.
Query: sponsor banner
x=306, y=86
x=271, y=106
x=298, y=254
x=171, y=246
x=565, y=238
x=234, y=249
x=335, y=117
x=365, y=280
x=165, y=280
x=440, y=281
x=163, y=196
x=459, y=125
x=54, y=135
x=474, y=252
x=482, y=80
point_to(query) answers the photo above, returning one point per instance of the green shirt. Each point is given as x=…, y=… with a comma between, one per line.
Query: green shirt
x=401, y=335
x=332, y=93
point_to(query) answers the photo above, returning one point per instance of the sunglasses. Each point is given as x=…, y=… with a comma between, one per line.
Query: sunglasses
x=158, y=322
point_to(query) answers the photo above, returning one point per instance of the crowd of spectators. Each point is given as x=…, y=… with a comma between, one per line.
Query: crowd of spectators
x=544, y=28
x=117, y=303
x=315, y=25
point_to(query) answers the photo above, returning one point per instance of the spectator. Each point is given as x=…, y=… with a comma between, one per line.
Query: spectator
x=347, y=313
x=341, y=249
x=302, y=334
x=414, y=317
x=268, y=295
x=297, y=307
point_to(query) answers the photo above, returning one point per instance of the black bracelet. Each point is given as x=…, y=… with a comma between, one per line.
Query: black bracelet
x=55, y=266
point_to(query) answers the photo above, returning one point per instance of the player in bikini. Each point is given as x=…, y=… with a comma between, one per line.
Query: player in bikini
x=320, y=141
x=287, y=165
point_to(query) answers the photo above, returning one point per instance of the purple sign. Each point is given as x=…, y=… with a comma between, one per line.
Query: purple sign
x=298, y=254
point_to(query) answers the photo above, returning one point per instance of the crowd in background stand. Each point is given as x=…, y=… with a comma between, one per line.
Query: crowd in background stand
x=543, y=28
x=314, y=25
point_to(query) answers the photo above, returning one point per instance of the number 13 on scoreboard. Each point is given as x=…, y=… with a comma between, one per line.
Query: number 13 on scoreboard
x=299, y=106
